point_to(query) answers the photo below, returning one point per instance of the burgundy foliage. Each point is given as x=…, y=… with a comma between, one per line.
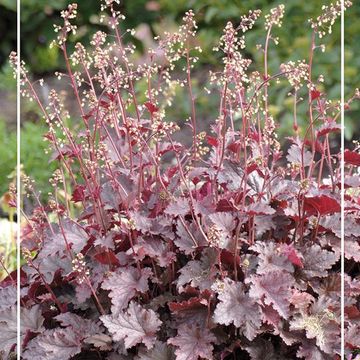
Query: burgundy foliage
x=228, y=251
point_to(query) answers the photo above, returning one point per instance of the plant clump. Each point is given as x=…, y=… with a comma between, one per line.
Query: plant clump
x=150, y=248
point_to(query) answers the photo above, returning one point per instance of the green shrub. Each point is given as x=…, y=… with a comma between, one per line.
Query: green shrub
x=33, y=157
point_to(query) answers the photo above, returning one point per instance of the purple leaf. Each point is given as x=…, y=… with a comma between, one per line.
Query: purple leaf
x=49, y=265
x=160, y=351
x=259, y=208
x=270, y=258
x=320, y=323
x=352, y=336
x=352, y=225
x=180, y=207
x=55, y=344
x=31, y=320
x=319, y=327
x=71, y=233
x=237, y=307
x=7, y=297
x=264, y=350
x=188, y=241
x=301, y=300
x=263, y=223
x=117, y=356
x=317, y=261
x=310, y=351
x=106, y=241
x=224, y=221
x=62, y=343
x=156, y=249
x=352, y=248
x=100, y=341
x=230, y=177
x=133, y=326
x=84, y=327
x=197, y=273
x=194, y=310
x=83, y=292
x=112, y=197
x=142, y=222
x=193, y=342
x=352, y=181
x=328, y=127
x=275, y=288
x=204, y=206
x=124, y=284
x=295, y=156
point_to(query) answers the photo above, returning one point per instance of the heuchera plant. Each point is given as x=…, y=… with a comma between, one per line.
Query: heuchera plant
x=152, y=249
x=352, y=247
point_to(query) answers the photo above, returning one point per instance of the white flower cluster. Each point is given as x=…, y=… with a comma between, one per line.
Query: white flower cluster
x=324, y=22
x=270, y=137
x=235, y=65
x=69, y=14
x=275, y=17
x=247, y=21
x=214, y=236
x=79, y=266
x=296, y=72
x=176, y=45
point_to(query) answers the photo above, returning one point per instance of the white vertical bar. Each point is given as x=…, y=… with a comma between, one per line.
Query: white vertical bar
x=18, y=203
x=342, y=185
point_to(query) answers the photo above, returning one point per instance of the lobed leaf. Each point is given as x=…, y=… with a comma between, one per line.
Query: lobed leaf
x=133, y=326
x=237, y=307
x=193, y=342
x=275, y=288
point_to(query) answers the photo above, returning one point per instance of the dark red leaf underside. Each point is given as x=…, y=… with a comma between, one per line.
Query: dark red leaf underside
x=321, y=205
x=352, y=158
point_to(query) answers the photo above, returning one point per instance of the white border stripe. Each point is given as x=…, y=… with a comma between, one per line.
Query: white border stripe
x=18, y=203
x=342, y=184
x=18, y=181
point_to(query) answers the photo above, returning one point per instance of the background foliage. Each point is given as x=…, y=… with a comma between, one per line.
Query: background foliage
x=38, y=17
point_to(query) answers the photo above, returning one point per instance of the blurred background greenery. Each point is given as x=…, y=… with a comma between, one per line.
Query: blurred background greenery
x=7, y=136
x=151, y=17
